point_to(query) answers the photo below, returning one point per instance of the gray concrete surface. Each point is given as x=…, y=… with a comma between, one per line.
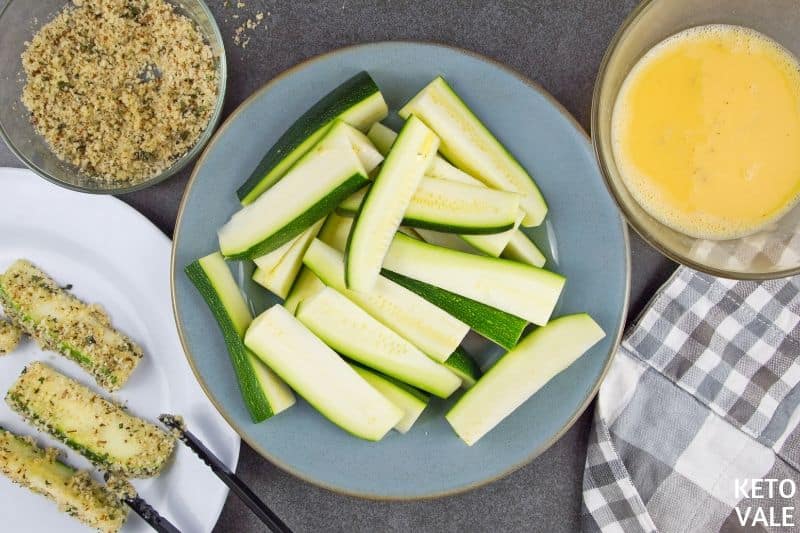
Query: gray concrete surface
x=558, y=43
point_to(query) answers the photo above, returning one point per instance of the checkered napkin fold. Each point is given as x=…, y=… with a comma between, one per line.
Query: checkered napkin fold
x=697, y=425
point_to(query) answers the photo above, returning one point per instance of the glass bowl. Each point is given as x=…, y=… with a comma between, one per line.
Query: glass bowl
x=19, y=21
x=771, y=253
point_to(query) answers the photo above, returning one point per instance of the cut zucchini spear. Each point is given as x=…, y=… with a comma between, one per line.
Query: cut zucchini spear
x=74, y=491
x=464, y=366
x=420, y=322
x=320, y=376
x=263, y=392
x=280, y=280
x=491, y=244
x=496, y=325
x=471, y=146
x=358, y=102
x=521, y=249
x=99, y=430
x=452, y=207
x=409, y=399
x=351, y=331
x=313, y=188
x=336, y=231
x=307, y=284
x=268, y=262
x=382, y=210
x=60, y=322
x=520, y=373
x=521, y=290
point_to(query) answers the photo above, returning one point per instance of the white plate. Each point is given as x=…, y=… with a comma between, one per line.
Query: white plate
x=111, y=255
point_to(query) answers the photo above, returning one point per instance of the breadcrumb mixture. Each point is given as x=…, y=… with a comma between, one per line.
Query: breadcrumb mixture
x=120, y=88
x=9, y=336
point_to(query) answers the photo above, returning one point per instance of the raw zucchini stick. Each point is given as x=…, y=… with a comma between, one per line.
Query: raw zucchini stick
x=521, y=290
x=520, y=248
x=264, y=394
x=452, y=207
x=319, y=375
x=471, y=146
x=10, y=336
x=520, y=373
x=498, y=326
x=336, y=231
x=315, y=185
x=491, y=244
x=74, y=491
x=357, y=101
x=269, y=261
x=409, y=399
x=60, y=322
x=280, y=279
x=307, y=284
x=464, y=366
x=382, y=210
x=351, y=331
x=89, y=424
x=418, y=321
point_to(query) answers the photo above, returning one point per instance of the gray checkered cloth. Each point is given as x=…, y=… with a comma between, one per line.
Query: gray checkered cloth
x=703, y=394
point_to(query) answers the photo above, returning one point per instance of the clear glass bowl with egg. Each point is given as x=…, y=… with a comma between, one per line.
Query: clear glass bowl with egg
x=771, y=252
x=19, y=22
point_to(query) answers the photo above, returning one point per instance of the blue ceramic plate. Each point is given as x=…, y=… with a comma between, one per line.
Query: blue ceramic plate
x=584, y=238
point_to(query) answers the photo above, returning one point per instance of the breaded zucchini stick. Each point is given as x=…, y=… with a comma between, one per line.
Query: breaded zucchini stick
x=9, y=336
x=74, y=491
x=60, y=322
x=99, y=430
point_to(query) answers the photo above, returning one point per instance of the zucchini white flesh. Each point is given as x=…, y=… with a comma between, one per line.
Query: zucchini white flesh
x=264, y=393
x=358, y=102
x=464, y=366
x=410, y=400
x=496, y=325
x=492, y=244
x=445, y=240
x=60, y=322
x=520, y=373
x=315, y=185
x=280, y=280
x=366, y=152
x=383, y=208
x=521, y=290
x=320, y=375
x=520, y=248
x=336, y=231
x=307, y=284
x=467, y=143
x=74, y=491
x=452, y=207
x=99, y=430
x=10, y=336
x=268, y=262
x=418, y=321
x=353, y=332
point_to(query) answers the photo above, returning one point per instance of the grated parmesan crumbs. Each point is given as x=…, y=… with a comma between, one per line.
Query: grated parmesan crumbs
x=120, y=88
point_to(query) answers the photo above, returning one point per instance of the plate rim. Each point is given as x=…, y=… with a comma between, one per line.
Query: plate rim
x=27, y=175
x=260, y=450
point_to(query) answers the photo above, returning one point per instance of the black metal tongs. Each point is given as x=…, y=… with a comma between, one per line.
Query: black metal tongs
x=264, y=513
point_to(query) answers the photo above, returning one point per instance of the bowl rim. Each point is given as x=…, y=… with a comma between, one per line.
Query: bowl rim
x=647, y=236
x=260, y=450
x=181, y=162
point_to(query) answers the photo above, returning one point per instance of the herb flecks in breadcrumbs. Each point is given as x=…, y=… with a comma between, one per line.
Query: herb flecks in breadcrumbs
x=120, y=88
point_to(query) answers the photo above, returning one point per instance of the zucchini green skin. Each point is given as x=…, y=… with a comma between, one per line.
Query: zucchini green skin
x=464, y=366
x=305, y=220
x=308, y=129
x=74, y=491
x=99, y=430
x=496, y=325
x=254, y=397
